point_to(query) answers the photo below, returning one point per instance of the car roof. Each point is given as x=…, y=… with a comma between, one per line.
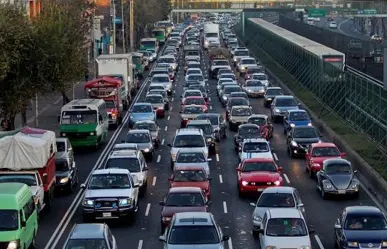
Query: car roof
x=88, y=231
x=184, y=168
x=255, y=140
x=137, y=131
x=160, y=75
x=199, y=121
x=259, y=74
x=300, y=127
x=193, y=62
x=284, y=97
x=185, y=189
x=236, y=98
x=123, y=153
x=167, y=56
x=154, y=95
x=145, y=122
x=363, y=210
x=196, y=74
x=284, y=213
x=282, y=189
x=189, y=131
x=208, y=115
x=194, y=97
x=190, y=150
x=274, y=88
x=298, y=110
x=190, y=218
x=110, y=171
x=193, y=90
x=241, y=107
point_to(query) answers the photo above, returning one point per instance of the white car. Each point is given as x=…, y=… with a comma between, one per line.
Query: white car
x=261, y=77
x=239, y=115
x=376, y=38
x=191, y=71
x=245, y=63
x=284, y=228
x=197, y=77
x=333, y=25
x=255, y=148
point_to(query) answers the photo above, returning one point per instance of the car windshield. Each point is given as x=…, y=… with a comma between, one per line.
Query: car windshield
x=255, y=147
x=109, y=181
x=79, y=117
x=249, y=130
x=285, y=102
x=241, y=53
x=248, y=61
x=190, y=157
x=286, y=227
x=276, y=200
x=194, y=71
x=273, y=92
x=160, y=71
x=241, y=112
x=166, y=60
x=192, y=93
x=230, y=89
x=257, y=121
x=60, y=146
x=305, y=133
x=130, y=163
x=325, y=152
x=220, y=63
x=239, y=101
x=194, y=101
x=298, y=116
x=365, y=222
x=338, y=168
x=195, y=77
x=259, y=77
x=28, y=179
x=192, y=53
x=9, y=220
x=192, y=110
x=137, y=137
x=227, y=76
x=145, y=126
x=160, y=79
x=86, y=244
x=189, y=176
x=214, y=119
x=186, y=141
x=239, y=94
x=253, y=83
x=142, y=109
x=206, y=128
x=259, y=166
x=193, y=235
x=184, y=199
x=154, y=99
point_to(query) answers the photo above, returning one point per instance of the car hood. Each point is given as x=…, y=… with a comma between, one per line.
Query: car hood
x=244, y=155
x=372, y=236
x=61, y=155
x=239, y=118
x=203, y=185
x=189, y=116
x=304, y=142
x=107, y=193
x=260, y=176
x=170, y=211
x=200, y=246
x=287, y=108
x=340, y=181
x=204, y=165
x=288, y=242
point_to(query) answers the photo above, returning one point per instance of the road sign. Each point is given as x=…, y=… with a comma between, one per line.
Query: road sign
x=314, y=12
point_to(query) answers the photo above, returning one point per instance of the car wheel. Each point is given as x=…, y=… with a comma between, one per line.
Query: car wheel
x=255, y=234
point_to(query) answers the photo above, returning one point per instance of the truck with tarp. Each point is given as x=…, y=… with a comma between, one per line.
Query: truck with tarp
x=121, y=67
x=160, y=34
x=29, y=157
x=219, y=53
x=110, y=90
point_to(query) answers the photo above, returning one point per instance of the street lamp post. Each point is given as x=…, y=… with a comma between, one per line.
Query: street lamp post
x=131, y=6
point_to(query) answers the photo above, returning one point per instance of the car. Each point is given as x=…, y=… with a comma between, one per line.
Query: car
x=245, y=131
x=141, y=111
x=188, y=139
x=376, y=38
x=148, y=56
x=189, y=83
x=282, y=104
x=206, y=127
x=270, y=94
x=218, y=123
x=235, y=101
x=227, y=76
x=333, y=25
x=86, y=235
x=262, y=77
x=192, y=64
x=284, y=228
x=293, y=118
x=158, y=104
x=275, y=197
x=202, y=229
x=196, y=77
x=188, y=158
x=256, y=174
x=190, y=93
x=164, y=80
x=124, y=146
x=239, y=94
x=244, y=63
x=224, y=71
x=132, y=160
x=152, y=127
x=170, y=59
x=195, y=100
x=189, y=112
x=360, y=227
x=216, y=65
x=191, y=177
x=202, y=89
x=337, y=177
x=240, y=53
x=164, y=68
x=182, y=199
x=300, y=138
x=254, y=88
x=110, y=194
x=66, y=169
x=239, y=115
x=227, y=90
x=193, y=71
x=255, y=148
x=143, y=139
x=154, y=53
x=156, y=86
x=264, y=123
x=252, y=70
x=162, y=93
x=221, y=86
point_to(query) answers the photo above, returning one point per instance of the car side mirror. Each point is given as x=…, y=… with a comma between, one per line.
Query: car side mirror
x=162, y=238
x=209, y=159
x=70, y=149
x=45, y=176
x=83, y=185
x=300, y=205
x=161, y=203
x=170, y=145
x=225, y=238
x=208, y=91
x=343, y=154
x=320, y=135
x=238, y=169
x=252, y=204
x=337, y=226
x=260, y=231
x=299, y=104
x=58, y=117
x=209, y=178
x=280, y=168
x=311, y=230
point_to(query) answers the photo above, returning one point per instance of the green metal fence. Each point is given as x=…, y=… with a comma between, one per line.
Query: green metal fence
x=359, y=100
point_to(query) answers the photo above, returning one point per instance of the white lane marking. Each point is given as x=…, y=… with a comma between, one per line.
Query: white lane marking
x=217, y=157
x=173, y=99
x=275, y=156
x=147, y=209
x=225, y=207
x=162, y=141
x=166, y=128
x=210, y=107
x=154, y=181
x=140, y=242
x=170, y=109
x=229, y=242
x=169, y=117
x=158, y=158
x=318, y=241
x=220, y=179
x=286, y=179
x=209, y=99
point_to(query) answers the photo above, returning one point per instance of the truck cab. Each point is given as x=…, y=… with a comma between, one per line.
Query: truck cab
x=138, y=61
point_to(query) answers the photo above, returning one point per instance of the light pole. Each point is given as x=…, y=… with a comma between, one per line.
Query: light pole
x=123, y=27
x=131, y=7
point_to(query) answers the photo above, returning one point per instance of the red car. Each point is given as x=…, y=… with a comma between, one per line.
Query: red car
x=195, y=100
x=318, y=153
x=191, y=177
x=257, y=174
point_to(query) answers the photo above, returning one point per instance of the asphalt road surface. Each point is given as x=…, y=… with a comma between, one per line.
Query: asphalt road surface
x=231, y=212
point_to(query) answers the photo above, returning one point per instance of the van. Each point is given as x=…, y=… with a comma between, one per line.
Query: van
x=84, y=122
x=18, y=216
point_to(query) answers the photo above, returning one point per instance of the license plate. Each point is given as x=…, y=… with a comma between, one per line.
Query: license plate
x=107, y=215
x=261, y=189
x=341, y=192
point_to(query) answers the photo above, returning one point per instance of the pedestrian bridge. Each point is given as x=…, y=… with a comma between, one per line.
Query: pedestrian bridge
x=224, y=4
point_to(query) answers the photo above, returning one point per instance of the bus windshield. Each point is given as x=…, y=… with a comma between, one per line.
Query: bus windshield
x=151, y=44
x=79, y=117
x=158, y=33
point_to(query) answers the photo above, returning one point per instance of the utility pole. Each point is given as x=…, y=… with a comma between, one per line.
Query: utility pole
x=114, y=26
x=131, y=6
x=36, y=110
x=123, y=27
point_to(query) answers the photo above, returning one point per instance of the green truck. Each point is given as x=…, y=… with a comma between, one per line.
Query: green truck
x=160, y=34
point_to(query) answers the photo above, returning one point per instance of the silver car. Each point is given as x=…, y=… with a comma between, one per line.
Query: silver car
x=197, y=77
x=158, y=103
x=164, y=80
x=239, y=115
x=143, y=139
x=190, y=112
x=170, y=59
x=245, y=63
x=193, y=157
x=254, y=88
x=261, y=77
x=152, y=127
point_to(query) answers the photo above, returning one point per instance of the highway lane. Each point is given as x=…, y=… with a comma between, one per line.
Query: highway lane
x=232, y=212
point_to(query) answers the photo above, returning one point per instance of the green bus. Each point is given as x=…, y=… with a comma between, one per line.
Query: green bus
x=167, y=25
x=138, y=61
x=159, y=34
x=84, y=122
x=149, y=43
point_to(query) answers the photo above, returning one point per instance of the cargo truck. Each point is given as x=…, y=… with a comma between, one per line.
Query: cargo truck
x=30, y=159
x=119, y=66
x=210, y=34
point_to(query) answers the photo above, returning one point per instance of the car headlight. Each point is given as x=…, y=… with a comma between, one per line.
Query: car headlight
x=277, y=183
x=209, y=139
x=224, y=98
x=146, y=150
x=88, y=202
x=92, y=133
x=384, y=243
x=63, y=134
x=352, y=244
x=64, y=180
x=165, y=219
x=305, y=247
x=235, y=59
x=173, y=156
x=269, y=99
x=277, y=110
x=316, y=165
x=249, y=90
x=261, y=91
x=292, y=125
x=327, y=185
x=125, y=202
x=13, y=244
x=244, y=183
x=354, y=185
x=256, y=217
x=294, y=144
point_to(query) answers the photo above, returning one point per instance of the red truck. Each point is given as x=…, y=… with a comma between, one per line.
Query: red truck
x=30, y=159
x=110, y=90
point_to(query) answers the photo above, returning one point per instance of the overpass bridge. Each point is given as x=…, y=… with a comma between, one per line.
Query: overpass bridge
x=225, y=4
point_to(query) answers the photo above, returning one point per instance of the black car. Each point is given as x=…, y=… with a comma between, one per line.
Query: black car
x=218, y=123
x=235, y=101
x=66, y=175
x=299, y=138
x=270, y=94
x=246, y=131
x=337, y=178
x=361, y=227
x=206, y=127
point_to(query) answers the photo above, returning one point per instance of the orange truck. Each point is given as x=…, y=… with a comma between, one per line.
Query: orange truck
x=108, y=89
